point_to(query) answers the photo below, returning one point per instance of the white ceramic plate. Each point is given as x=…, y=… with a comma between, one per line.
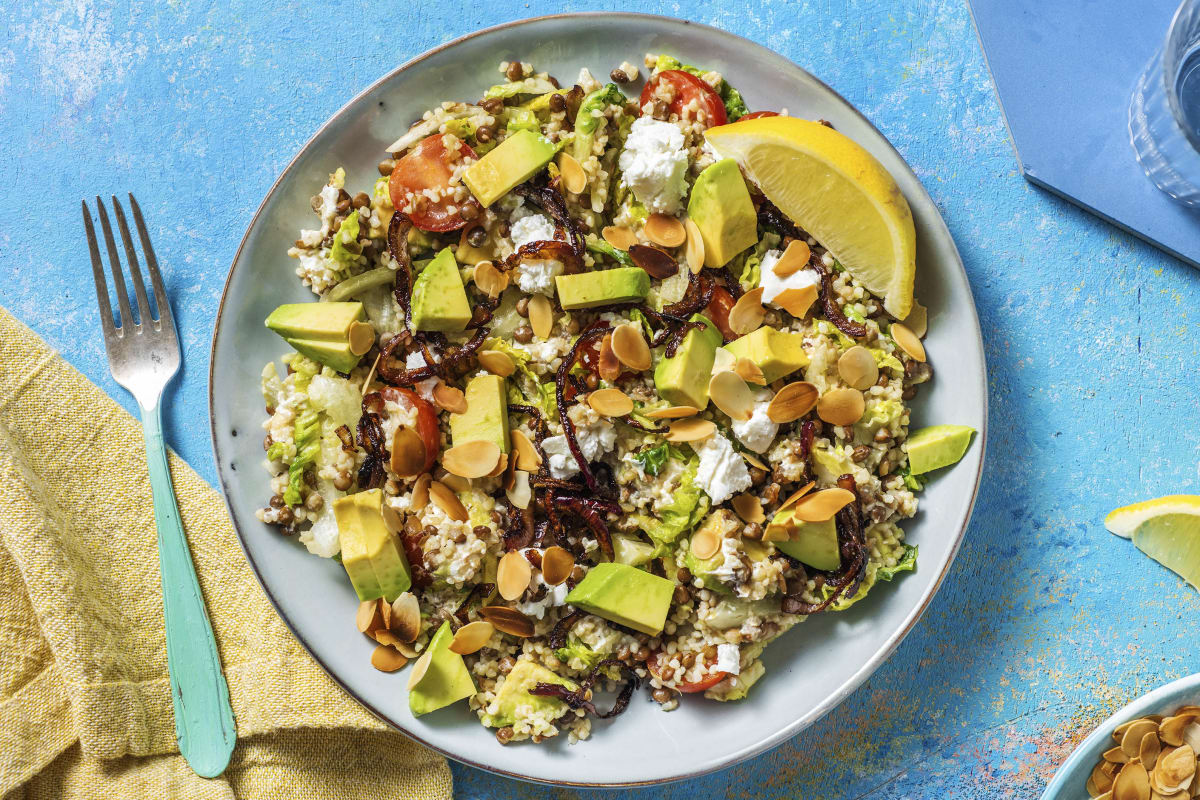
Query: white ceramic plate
x=811, y=669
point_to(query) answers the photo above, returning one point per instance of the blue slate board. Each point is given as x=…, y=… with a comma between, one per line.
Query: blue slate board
x=1064, y=72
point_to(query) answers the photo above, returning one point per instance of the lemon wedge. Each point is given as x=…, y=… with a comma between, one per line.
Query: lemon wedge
x=1166, y=529
x=837, y=192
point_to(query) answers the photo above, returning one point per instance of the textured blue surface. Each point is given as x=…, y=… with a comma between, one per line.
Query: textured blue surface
x=1045, y=624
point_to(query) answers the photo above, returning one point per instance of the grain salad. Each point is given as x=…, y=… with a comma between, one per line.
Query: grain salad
x=580, y=411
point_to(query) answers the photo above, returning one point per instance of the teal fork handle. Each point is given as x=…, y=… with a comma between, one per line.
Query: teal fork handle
x=204, y=723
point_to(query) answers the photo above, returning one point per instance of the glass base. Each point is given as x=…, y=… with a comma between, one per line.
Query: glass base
x=1162, y=148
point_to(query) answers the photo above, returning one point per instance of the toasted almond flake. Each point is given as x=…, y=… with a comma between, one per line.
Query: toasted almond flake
x=1148, y=749
x=450, y=398
x=454, y=482
x=610, y=402
x=528, y=457
x=792, y=402
x=510, y=473
x=385, y=659
x=1176, y=769
x=796, y=495
x=665, y=230
x=730, y=393
x=361, y=337
x=406, y=617
x=630, y=348
x=705, y=544
x=508, y=620
x=777, y=533
x=620, y=238
x=392, y=519
x=501, y=466
x=857, y=368
x=794, y=258
x=419, y=669
x=513, y=574
x=1091, y=788
x=1170, y=730
x=672, y=412
x=917, y=320
x=471, y=459
x=471, y=638
x=1102, y=779
x=420, y=492
x=408, y=452
x=841, y=406
x=573, y=176
x=1115, y=755
x=723, y=361
x=385, y=612
x=520, y=494
x=750, y=372
x=496, y=362
x=748, y=312
x=367, y=619
x=407, y=650
x=1119, y=731
x=1191, y=736
x=690, y=429
x=490, y=280
x=557, y=564
x=541, y=316
x=445, y=499
x=1131, y=741
x=607, y=365
x=821, y=506
x=1132, y=783
x=386, y=637
x=907, y=341
x=753, y=461
x=796, y=302
x=748, y=508
x=695, y=247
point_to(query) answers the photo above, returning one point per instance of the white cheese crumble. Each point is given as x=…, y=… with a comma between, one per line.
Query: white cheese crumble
x=731, y=561
x=562, y=463
x=773, y=285
x=654, y=163
x=728, y=659
x=416, y=360
x=722, y=472
x=535, y=275
x=555, y=596
x=596, y=436
x=759, y=431
x=531, y=228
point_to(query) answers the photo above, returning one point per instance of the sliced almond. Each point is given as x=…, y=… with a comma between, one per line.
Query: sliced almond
x=513, y=574
x=419, y=669
x=907, y=341
x=420, y=492
x=361, y=337
x=385, y=612
x=528, y=458
x=672, y=412
x=607, y=365
x=455, y=483
x=407, y=650
x=695, y=247
x=385, y=659
x=392, y=519
x=520, y=494
x=408, y=452
x=490, y=280
x=841, y=406
x=1132, y=782
x=792, y=402
x=445, y=499
x=821, y=506
x=690, y=429
x=573, y=176
x=1148, y=749
x=620, y=238
x=857, y=368
x=368, y=619
x=665, y=230
x=496, y=362
x=1170, y=730
x=705, y=544
x=778, y=533
x=610, y=402
x=501, y=466
x=794, y=258
x=508, y=620
x=797, y=302
x=471, y=459
x=450, y=398
x=750, y=372
x=1131, y=741
x=917, y=320
x=630, y=348
x=796, y=495
x=753, y=461
x=748, y=312
x=557, y=564
x=730, y=393
x=471, y=638
x=406, y=617
x=1191, y=736
x=1115, y=755
x=723, y=361
x=1102, y=779
x=541, y=316
x=1091, y=788
x=1176, y=769
x=748, y=508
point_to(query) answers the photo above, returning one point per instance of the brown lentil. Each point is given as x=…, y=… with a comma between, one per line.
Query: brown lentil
x=504, y=735
x=860, y=454
x=661, y=695
x=523, y=306
x=523, y=334
x=386, y=166
x=361, y=200
x=514, y=72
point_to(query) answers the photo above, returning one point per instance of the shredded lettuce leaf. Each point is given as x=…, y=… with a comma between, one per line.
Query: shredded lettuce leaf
x=307, y=438
x=913, y=482
x=577, y=649
x=751, y=274
x=688, y=508
x=345, y=242
x=272, y=386
x=907, y=563
x=735, y=106
x=531, y=85
x=586, y=124
x=652, y=460
x=534, y=392
x=603, y=248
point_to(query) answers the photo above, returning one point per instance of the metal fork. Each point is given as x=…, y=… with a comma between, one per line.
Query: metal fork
x=143, y=356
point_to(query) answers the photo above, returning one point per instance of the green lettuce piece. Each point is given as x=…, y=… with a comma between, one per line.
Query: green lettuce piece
x=272, y=386
x=544, y=394
x=654, y=459
x=751, y=271
x=684, y=513
x=521, y=119
x=913, y=482
x=907, y=563
x=531, y=85
x=382, y=190
x=345, y=242
x=577, y=649
x=886, y=360
x=307, y=438
x=735, y=106
x=603, y=248
x=463, y=128
x=303, y=370
x=586, y=125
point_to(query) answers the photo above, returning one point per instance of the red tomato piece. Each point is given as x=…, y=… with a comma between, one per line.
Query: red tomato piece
x=429, y=165
x=757, y=114
x=687, y=88
x=718, y=311
x=654, y=665
x=427, y=421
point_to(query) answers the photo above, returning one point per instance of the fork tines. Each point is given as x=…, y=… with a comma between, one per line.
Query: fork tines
x=145, y=318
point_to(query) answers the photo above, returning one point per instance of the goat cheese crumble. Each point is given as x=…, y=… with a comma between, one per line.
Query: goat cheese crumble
x=759, y=431
x=654, y=163
x=773, y=285
x=722, y=472
x=535, y=275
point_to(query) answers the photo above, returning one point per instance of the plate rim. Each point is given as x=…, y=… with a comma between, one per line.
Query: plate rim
x=853, y=681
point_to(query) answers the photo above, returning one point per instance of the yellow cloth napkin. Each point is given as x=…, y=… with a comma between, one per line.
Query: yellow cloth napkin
x=85, y=706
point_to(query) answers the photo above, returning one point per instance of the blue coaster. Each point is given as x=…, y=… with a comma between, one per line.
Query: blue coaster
x=1064, y=72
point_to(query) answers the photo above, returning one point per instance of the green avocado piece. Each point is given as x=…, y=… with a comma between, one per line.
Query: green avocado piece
x=439, y=301
x=811, y=543
x=777, y=353
x=937, y=446
x=486, y=417
x=513, y=700
x=602, y=287
x=721, y=208
x=683, y=378
x=731, y=612
x=511, y=163
x=332, y=354
x=371, y=554
x=721, y=519
x=326, y=322
x=625, y=595
x=631, y=551
x=446, y=680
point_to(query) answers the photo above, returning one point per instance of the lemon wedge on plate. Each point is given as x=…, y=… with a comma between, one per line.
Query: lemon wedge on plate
x=1166, y=529
x=837, y=192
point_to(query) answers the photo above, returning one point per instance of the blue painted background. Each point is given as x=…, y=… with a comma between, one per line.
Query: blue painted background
x=1045, y=624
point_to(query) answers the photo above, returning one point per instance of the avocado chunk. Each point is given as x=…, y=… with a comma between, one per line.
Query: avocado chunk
x=722, y=522
x=732, y=612
x=322, y=331
x=625, y=595
x=439, y=301
x=602, y=287
x=446, y=680
x=777, y=353
x=486, y=417
x=683, y=378
x=371, y=554
x=721, y=208
x=937, y=446
x=811, y=543
x=511, y=163
x=513, y=700
x=630, y=550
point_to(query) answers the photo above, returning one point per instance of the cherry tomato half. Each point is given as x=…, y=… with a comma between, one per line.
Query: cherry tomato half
x=427, y=421
x=718, y=311
x=687, y=88
x=654, y=665
x=429, y=165
x=757, y=114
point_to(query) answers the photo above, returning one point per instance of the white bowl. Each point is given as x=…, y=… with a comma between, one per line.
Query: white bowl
x=810, y=670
